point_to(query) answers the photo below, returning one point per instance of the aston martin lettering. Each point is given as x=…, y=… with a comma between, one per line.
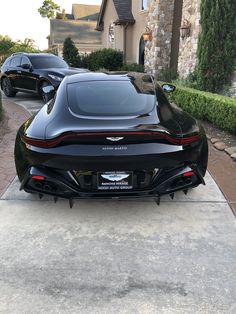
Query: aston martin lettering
x=114, y=139
x=114, y=148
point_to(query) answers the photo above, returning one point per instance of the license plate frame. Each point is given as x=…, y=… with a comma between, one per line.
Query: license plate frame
x=115, y=180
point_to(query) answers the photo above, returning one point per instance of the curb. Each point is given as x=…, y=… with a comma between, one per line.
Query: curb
x=221, y=146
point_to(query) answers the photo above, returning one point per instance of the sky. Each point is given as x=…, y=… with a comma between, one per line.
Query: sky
x=20, y=19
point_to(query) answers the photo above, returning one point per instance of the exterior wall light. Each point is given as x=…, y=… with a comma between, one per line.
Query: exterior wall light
x=185, y=29
x=147, y=35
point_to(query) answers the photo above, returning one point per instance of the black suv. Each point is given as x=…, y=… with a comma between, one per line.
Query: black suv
x=30, y=72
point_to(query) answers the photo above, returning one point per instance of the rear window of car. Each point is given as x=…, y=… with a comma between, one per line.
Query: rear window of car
x=109, y=98
x=47, y=62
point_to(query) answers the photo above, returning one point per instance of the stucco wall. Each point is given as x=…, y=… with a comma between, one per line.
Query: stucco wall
x=109, y=17
x=160, y=21
x=134, y=32
x=188, y=46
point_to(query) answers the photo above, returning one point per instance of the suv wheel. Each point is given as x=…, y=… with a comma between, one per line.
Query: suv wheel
x=7, y=88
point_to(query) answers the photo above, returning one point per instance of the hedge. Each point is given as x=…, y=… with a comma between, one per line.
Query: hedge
x=132, y=67
x=106, y=58
x=217, y=109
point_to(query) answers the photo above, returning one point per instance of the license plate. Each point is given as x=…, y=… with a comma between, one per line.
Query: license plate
x=118, y=180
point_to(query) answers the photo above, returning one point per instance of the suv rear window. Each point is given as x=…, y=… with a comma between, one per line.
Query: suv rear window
x=47, y=62
x=109, y=98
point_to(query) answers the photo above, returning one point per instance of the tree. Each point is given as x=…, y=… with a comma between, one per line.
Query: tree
x=5, y=45
x=8, y=46
x=70, y=53
x=61, y=15
x=217, y=44
x=27, y=45
x=49, y=9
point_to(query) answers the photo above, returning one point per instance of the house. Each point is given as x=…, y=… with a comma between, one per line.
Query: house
x=122, y=23
x=79, y=26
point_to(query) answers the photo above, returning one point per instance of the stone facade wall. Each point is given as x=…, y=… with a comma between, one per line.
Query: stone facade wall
x=188, y=46
x=160, y=21
x=158, y=50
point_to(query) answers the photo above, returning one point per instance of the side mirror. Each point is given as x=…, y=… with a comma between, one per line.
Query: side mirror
x=48, y=93
x=48, y=89
x=168, y=88
x=26, y=66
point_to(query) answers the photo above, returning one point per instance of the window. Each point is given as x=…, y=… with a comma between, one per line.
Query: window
x=25, y=60
x=109, y=98
x=46, y=62
x=15, y=62
x=111, y=35
x=144, y=4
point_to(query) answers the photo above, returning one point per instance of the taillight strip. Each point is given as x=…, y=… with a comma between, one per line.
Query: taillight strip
x=188, y=174
x=56, y=141
x=40, y=178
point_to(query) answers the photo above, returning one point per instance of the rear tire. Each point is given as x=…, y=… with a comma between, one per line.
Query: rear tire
x=7, y=88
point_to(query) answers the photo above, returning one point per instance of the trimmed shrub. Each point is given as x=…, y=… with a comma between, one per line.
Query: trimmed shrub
x=217, y=109
x=217, y=44
x=84, y=61
x=189, y=81
x=70, y=53
x=133, y=67
x=109, y=59
x=167, y=74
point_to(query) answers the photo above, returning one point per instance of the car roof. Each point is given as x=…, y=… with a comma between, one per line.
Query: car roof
x=109, y=76
x=29, y=54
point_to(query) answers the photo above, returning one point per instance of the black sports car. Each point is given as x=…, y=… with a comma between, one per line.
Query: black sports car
x=30, y=72
x=110, y=135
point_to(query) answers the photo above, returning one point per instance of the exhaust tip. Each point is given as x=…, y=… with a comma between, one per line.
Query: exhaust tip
x=180, y=183
x=188, y=181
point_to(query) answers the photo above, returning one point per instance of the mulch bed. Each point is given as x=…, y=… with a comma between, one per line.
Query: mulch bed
x=212, y=131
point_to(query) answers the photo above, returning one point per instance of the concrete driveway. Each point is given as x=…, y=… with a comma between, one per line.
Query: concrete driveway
x=30, y=102
x=117, y=256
